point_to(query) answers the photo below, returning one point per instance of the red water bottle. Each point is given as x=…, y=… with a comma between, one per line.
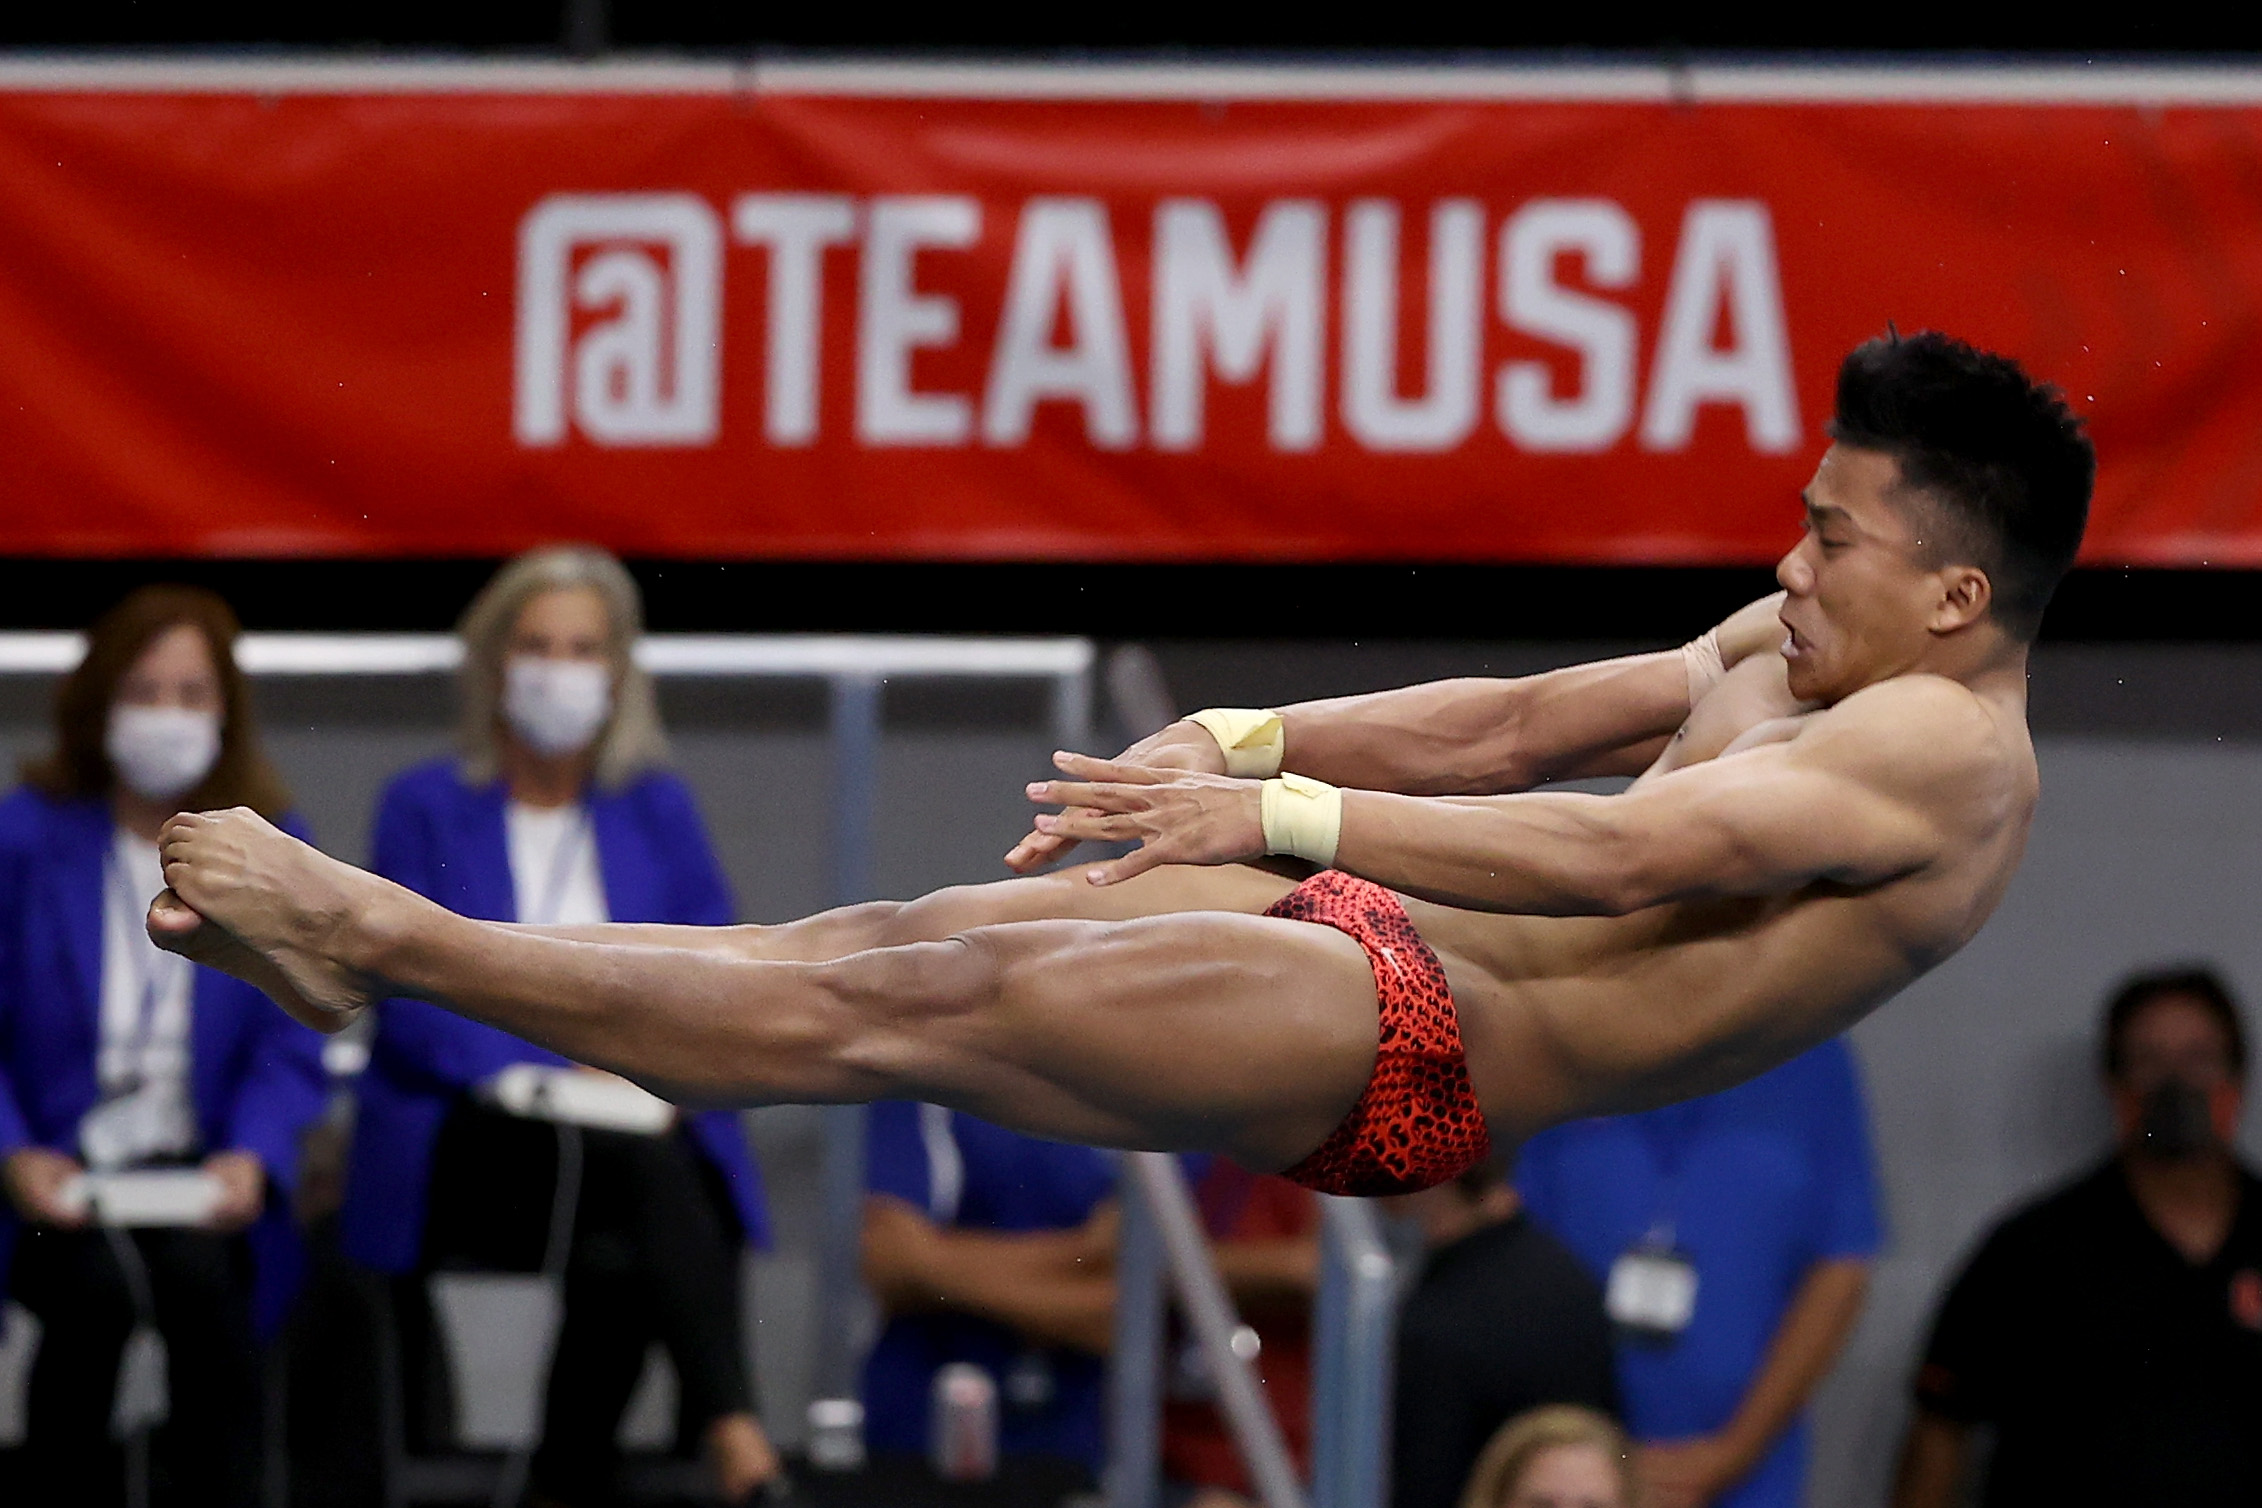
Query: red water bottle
x=962, y=1439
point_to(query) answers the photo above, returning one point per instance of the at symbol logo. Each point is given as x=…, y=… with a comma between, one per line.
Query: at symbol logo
x=643, y=370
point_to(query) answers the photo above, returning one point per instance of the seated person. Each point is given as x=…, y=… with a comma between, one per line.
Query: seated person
x=1503, y=1320
x=2111, y=1332
x=1562, y=1456
x=557, y=813
x=1734, y=1235
x=1265, y=1236
x=989, y=1247
x=115, y=1056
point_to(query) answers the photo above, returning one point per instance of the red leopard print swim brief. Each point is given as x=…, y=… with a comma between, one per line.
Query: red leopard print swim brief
x=1418, y=1123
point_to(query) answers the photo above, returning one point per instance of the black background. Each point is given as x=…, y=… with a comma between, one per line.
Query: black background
x=1362, y=602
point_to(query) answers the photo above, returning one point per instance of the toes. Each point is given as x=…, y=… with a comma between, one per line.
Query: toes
x=171, y=917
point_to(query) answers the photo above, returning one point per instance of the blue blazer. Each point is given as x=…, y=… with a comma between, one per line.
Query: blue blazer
x=255, y=1075
x=444, y=839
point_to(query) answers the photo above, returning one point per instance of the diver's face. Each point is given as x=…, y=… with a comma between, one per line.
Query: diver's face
x=1860, y=587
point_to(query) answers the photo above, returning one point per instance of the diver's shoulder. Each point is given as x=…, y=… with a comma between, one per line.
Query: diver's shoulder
x=1936, y=733
x=1923, y=705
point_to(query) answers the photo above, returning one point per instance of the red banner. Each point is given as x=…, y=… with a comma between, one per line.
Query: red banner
x=345, y=314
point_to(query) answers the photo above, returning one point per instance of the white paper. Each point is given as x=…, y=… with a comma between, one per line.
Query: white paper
x=158, y=1196
x=576, y=1097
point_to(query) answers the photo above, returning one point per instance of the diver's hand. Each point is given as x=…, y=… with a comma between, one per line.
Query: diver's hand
x=1175, y=816
x=1181, y=746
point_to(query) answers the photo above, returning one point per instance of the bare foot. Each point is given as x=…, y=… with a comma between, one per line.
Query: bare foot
x=741, y=1456
x=253, y=901
x=175, y=926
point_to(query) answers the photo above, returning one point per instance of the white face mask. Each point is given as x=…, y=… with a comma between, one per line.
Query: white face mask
x=161, y=752
x=556, y=706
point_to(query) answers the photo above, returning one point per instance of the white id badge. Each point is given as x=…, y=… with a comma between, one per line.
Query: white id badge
x=1651, y=1293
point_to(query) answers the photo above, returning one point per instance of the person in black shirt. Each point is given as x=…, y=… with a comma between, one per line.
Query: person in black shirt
x=1503, y=1320
x=2112, y=1332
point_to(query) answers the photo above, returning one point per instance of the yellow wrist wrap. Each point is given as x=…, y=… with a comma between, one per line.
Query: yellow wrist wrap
x=1303, y=817
x=1251, y=737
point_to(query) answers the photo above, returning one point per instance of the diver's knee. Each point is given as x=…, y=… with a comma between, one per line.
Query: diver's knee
x=828, y=934
x=1062, y=895
x=941, y=976
x=869, y=924
x=896, y=1019
x=934, y=917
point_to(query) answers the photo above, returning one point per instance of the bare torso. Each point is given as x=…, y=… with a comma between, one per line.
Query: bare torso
x=1567, y=1016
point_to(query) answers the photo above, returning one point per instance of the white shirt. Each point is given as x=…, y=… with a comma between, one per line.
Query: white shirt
x=142, y=1064
x=554, y=874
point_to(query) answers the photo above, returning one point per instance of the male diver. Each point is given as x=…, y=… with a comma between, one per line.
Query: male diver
x=1834, y=790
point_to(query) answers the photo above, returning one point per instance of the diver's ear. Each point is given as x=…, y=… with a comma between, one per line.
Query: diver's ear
x=1965, y=595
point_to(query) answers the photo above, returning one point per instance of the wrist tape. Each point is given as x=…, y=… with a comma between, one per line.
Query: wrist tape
x=1701, y=658
x=1301, y=816
x=1251, y=737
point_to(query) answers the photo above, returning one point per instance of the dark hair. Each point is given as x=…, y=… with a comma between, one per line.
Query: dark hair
x=78, y=767
x=2200, y=985
x=2001, y=457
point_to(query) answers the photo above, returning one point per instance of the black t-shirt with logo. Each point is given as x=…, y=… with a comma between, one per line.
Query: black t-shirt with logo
x=2113, y=1369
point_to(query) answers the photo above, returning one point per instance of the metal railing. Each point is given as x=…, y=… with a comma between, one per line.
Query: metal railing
x=856, y=670
x=1355, y=1319
x=1355, y=1324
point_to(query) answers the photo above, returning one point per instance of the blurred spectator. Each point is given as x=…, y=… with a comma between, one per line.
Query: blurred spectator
x=988, y=1247
x=557, y=813
x=1264, y=1235
x=1734, y=1235
x=115, y=1056
x=1562, y=1456
x=2111, y=1332
x=1503, y=1320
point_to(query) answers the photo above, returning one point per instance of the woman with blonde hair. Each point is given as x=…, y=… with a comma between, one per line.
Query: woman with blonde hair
x=1561, y=1456
x=557, y=812
x=118, y=1058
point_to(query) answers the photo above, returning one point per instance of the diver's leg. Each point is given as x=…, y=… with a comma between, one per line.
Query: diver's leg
x=1190, y=1029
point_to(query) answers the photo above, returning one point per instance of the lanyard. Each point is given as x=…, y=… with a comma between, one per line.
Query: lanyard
x=1670, y=1131
x=563, y=858
x=151, y=970
x=1652, y=1290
